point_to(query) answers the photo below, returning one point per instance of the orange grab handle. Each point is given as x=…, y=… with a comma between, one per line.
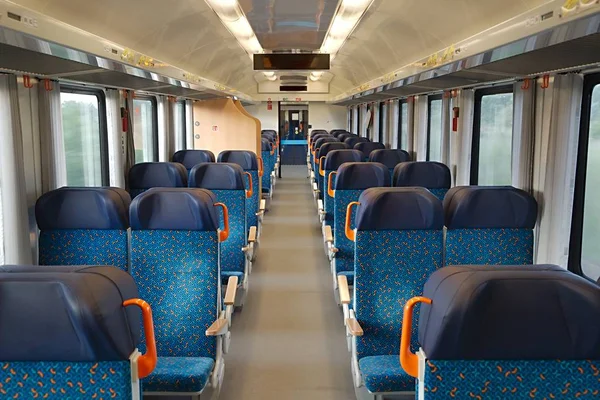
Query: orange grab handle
x=273, y=149
x=321, y=165
x=224, y=234
x=408, y=360
x=330, y=190
x=261, y=167
x=350, y=234
x=250, y=191
x=146, y=362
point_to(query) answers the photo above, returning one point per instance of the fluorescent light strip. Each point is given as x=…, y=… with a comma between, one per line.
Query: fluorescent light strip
x=231, y=15
x=344, y=22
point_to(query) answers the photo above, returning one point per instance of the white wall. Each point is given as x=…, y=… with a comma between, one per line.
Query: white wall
x=326, y=116
x=268, y=119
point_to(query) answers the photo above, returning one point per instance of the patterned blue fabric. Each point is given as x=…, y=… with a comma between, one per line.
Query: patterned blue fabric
x=177, y=273
x=489, y=247
x=384, y=374
x=179, y=374
x=65, y=380
x=84, y=247
x=344, y=258
x=269, y=166
x=439, y=193
x=391, y=267
x=233, y=258
x=253, y=203
x=531, y=379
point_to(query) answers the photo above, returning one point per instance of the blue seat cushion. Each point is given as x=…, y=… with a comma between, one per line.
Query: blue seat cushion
x=225, y=275
x=349, y=276
x=179, y=374
x=383, y=374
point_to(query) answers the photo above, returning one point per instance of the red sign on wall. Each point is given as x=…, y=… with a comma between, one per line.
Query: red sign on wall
x=215, y=128
x=269, y=105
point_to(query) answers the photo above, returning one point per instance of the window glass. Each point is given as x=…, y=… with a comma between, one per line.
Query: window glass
x=495, y=139
x=144, y=130
x=403, y=126
x=434, y=151
x=590, y=249
x=82, y=140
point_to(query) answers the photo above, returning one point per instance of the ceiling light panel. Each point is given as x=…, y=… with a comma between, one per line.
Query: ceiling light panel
x=231, y=15
x=344, y=22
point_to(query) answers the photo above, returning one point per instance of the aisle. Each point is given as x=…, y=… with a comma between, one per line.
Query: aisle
x=289, y=341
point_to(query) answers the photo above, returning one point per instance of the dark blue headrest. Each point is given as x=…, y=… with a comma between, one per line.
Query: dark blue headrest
x=336, y=158
x=270, y=138
x=430, y=175
x=389, y=158
x=368, y=147
x=338, y=132
x=266, y=145
x=329, y=147
x=174, y=209
x=191, y=158
x=343, y=136
x=354, y=140
x=83, y=208
x=318, y=131
x=269, y=132
x=217, y=176
x=157, y=174
x=398, y=209
x=67, y=314
x=245, y=159
x=361, y=176
x=321, y=141
x=510, y=313
x=490, y=207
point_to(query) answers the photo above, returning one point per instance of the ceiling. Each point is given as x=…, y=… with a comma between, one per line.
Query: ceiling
x=188, y=34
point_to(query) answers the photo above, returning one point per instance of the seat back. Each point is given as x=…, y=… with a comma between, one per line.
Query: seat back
x=354, y=140
x=318, y=131
x=191, y=158
x=66, y=334
x=249, y=163
x=338, y=132
x=150, y=175
x=345, y=135
x=399, y=243
x=489, y=226
x=228, y=183
x=333, y=161
x=272, y=133
x=530, y=330
x=434, y=176
x=351, y=180
x=83, y=226
x=321, y=155
x=175, y=263
x=316, y=145
x=368, y=147
x=390, y=158
x=269, y=158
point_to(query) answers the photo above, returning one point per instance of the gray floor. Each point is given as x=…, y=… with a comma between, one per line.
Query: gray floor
x=289, y=341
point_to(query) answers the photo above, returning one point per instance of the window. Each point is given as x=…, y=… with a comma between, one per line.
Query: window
x=434, y=128
x=84, y=135
x=180, y=123
x=145, y=133
x=584, y=254
x=403, y=126
x=491, y=160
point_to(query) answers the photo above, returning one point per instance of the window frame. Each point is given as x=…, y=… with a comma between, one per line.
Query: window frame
x=578, y=217
x=102, y=121
x=431, y=99
x=476, y=140
x=154, y=102
x=183, y=122
x=382, y=105
x=399, y=144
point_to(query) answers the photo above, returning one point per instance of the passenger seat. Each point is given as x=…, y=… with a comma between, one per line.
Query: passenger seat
x=150, y=175
x=433, y=176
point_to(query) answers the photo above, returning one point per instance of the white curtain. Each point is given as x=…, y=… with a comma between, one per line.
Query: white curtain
x=129, y=141
x=558, y=110
x=165, y=134
x=523, y=136
x=410, y=135
x=395, y=120
x=446, y=129
x=461, y=159
x=116, y=160
x=420, y=129
x=189, y=124
x=356, y=111
x=16, y=244
x=376, y=127
x=54, y=171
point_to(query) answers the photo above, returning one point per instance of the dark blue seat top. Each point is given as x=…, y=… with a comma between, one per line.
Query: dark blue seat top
x=336, y=158
x=389, y=158
x=266, y=145
x=322, y=140
x=269, y=132
x=217, y=176
x=345, y=135
x=510, y=313
x=329, y=147
x=83, y=208
x=397, y=209
x=368, y=147
x=174, y=209
x=354, y=140
x=361, y=176
x=427, y=174
x=245, y=159
x=338, y=132
x=190, y=158
x=157, y=174
x=497, y=207
x=318, y=131
x=67, y=313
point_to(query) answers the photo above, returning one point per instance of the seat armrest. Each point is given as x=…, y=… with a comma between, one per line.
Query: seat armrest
x=328, y=234
x=354, y=327
x=230, y=293
x=253, y=235
x=218, y=328
x=262, y=207
x=343, y=289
